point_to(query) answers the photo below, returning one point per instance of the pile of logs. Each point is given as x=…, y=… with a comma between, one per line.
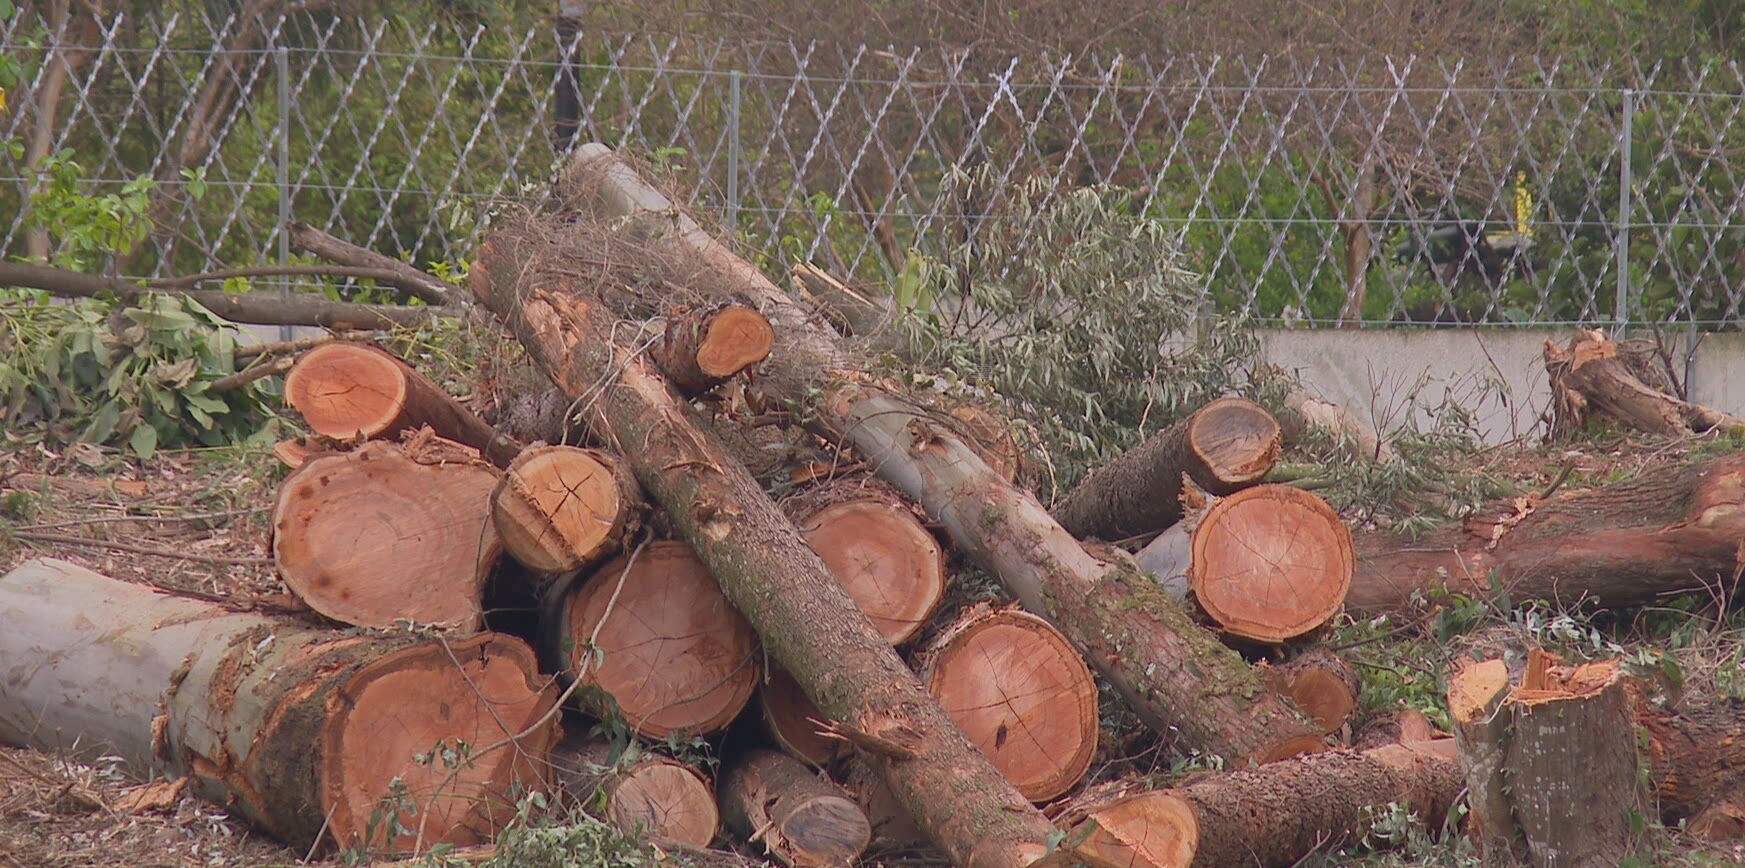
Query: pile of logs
x=479, y=593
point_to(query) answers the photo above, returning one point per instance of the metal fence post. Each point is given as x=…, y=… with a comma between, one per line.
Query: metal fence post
x=282, y=60
x=733, y=152
x=1622, y=311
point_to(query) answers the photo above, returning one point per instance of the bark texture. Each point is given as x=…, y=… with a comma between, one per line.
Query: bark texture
x=1678, y=529
x=1179, y=680
x=651, y=796
x=413, y=281
x=809, y=624
x=1590, y=374
x=797, y=817
x=704, y=348
x=1223, y=447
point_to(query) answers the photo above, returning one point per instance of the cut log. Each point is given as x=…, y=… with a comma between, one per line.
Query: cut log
x=647, y=795
x=1269, y=563
x=1016, y=687
x=1122, y=824
x=891, y=823
x=1178, y=679
x=306, y=733
x=1552, y=763
x=704, y=348
x=386, y=534
x=1324, y=685
x=1404, y=726
x=809, y=624
x=653, y=632
x=347, y=390
x=560, y=508
x=797, y=817
x=1590, y=373
x=891, y=565
x=309, y=239
x=294, y=452
x=1675, y=530
x=1223, y=447
x=795, y=724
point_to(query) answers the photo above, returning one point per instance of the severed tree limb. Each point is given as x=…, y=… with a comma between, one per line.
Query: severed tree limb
x=808, y=622
x=1591, y=374
x=385, y=276
x=273, y=348
x=248, y=307
x=311, y=240
x=1177, y=677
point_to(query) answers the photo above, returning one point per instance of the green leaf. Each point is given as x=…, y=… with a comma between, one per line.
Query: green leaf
x=144, y=441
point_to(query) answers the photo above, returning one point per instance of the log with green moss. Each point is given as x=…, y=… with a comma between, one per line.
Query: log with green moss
x=1180, y=679
x=809, y=624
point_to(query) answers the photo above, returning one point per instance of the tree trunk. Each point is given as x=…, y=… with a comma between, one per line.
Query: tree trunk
x=808, y=622
x=1178, y=679
x=799, y=818
x=313, y=241
x=1675, y=530
x=871, y=541
x=1553, y=768
x=303, y=732
x=795, y=724
x=1323, y=684
x=1268, y=564
x=652, y=630
x=650, y=796
x=559, y=508
x=1123, y=824
x=385, y=534
x=705, y=348
x=347, y=390
x=249, y=307
x=1590, y=373
x=1020, y=692
x=1223, y=447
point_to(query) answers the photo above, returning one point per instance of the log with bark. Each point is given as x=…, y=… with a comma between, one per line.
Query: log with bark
x=653, y=632
x=1016, y=687
x=705, y=347
x=886, y=560
x=1551, y=763
x=411, y=280
x=809, y=624
x=1223, y=447
x=1675, y=530
x=389, y=533
x=653, y=797
x=802, y=820
x=1324, y=684
x=561, y=508
x=1123, y=825
x=348, y=390
x=1590, y=374
x=391, y=743
x=795, y=724
x=1267, y=564
x=1178, y=679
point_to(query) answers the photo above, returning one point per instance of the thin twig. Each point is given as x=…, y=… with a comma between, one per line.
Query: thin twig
x=279, y=365
x=31, y=536
x=115, y=519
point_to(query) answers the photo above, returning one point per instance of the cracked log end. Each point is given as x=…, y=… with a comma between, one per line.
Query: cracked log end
x=416, y=723
x=892, y=567
x=345, y=390
x=1271, y=563
x=673, y=652
x=1123, y=825
x=1021, y=693
x=559, y=508
x=801, y=819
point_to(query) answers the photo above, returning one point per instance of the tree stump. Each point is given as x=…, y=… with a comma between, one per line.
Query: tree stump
x=799, y=818
x=652, y=630
x=1267, y=564
x=1223, y=447
x=560, y=508
x=647, y=795
x=385, y=534
x=892, y=567
x=1024, y=697
x=704, y=348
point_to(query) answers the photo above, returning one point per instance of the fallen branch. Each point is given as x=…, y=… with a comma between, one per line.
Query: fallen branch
x=252, y=373
x=1592, y=374
x=136, y=548
x=273, y=348
x=424, y=286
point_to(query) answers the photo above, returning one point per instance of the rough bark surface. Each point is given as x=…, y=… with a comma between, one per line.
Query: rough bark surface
x=411, y=280
x=1224, y=446
x=348, y=390
x=303, y=732
x=1590, y=374
x=809, y=624
x=386, y=534
x=651, y=796
x=1179, y=680
x=795, y=724
x=1678, y=529
x=797, y=817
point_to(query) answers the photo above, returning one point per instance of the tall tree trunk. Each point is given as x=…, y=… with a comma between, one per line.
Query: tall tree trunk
x=70, y=32
x=1179, y=679
x=808, y=622
x=309, y=734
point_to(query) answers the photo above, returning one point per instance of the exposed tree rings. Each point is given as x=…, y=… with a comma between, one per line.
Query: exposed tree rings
x=346, y=389
x=556, y=507
x=1236, y=439
x=674, y=653
x=737, y=338
x=1271, y=563
x=889, y=564
x=1151, y=829
x=665, y=799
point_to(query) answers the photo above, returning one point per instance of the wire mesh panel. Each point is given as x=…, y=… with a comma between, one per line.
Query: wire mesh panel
x=1382, y=191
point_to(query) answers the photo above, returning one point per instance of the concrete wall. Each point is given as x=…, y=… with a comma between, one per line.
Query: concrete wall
x=1499, y=374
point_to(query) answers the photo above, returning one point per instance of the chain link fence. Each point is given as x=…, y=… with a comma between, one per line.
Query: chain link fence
x=1386, y=191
